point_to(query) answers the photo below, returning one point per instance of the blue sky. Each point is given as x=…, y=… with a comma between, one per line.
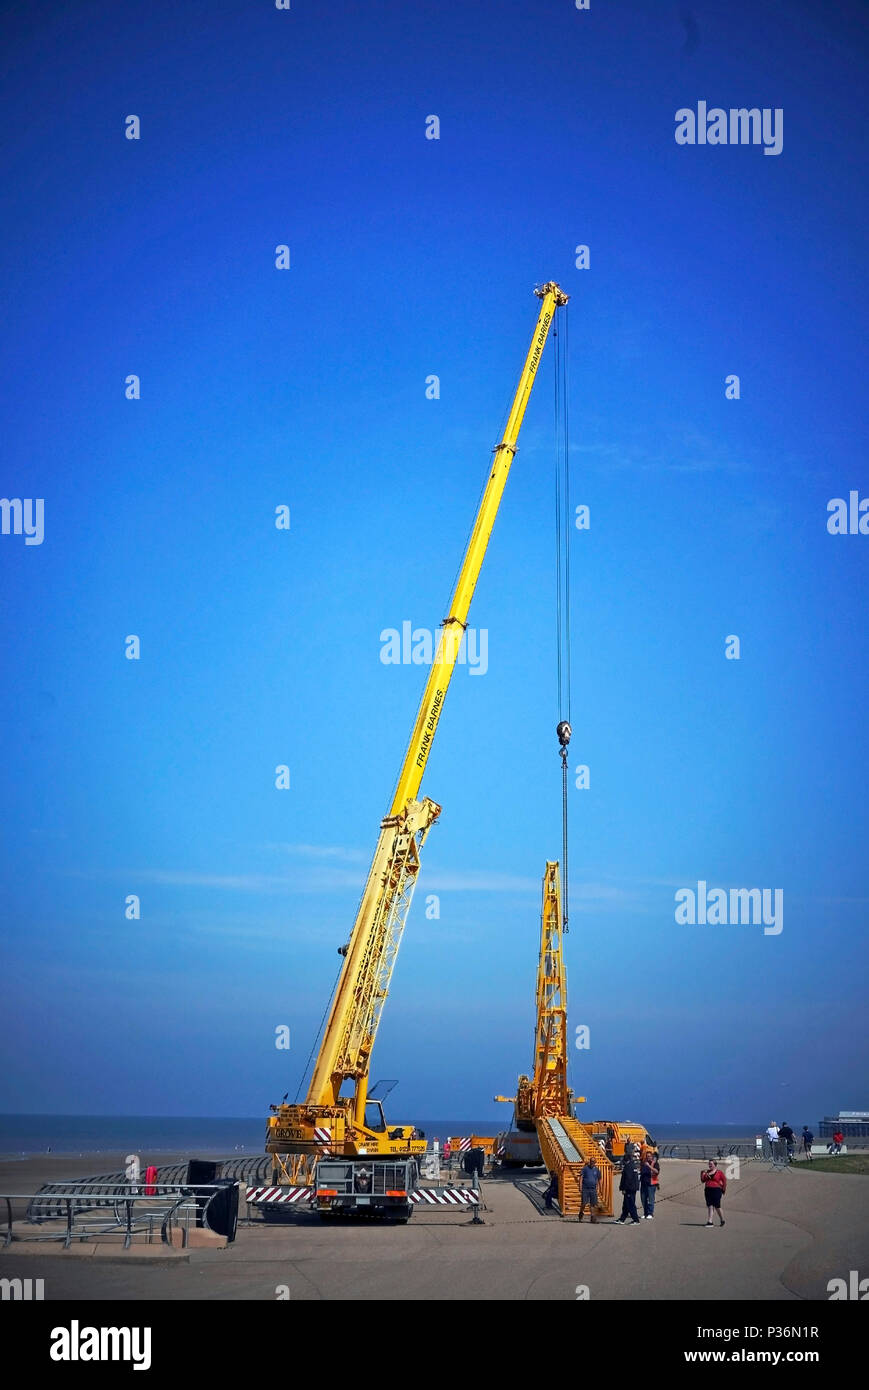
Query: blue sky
x=306, y=387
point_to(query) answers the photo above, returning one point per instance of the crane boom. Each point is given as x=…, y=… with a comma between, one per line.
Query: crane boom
x=362, y=988
x=453, y=627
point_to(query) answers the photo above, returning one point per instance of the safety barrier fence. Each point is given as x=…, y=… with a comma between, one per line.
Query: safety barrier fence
x=745, y=1149
x=254, y=1168
x=272, y=1201
x=706, y=1150
x=77, y=1210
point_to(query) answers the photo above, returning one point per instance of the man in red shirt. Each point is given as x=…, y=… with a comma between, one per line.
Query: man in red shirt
x=715, y=1184
x=838, y=1140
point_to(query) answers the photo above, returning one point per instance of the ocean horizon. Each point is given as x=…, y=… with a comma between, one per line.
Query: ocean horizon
x=24, y=1135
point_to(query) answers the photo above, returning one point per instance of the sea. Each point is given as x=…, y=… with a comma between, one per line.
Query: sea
x=25, y=1135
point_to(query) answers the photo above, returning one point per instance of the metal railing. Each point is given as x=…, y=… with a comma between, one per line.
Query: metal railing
x=90, y=1208
x=707, y=1150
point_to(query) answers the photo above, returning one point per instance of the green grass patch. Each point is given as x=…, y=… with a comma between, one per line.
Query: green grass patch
x=845, y=1163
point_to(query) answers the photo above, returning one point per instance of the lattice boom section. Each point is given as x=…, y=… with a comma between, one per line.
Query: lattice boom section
x=559, y=1159
x=387, y=898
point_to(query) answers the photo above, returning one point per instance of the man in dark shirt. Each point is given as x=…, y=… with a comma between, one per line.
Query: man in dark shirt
x=808, y=1141
x=786, y=1136
x=588, y=1189
x=628, y=1186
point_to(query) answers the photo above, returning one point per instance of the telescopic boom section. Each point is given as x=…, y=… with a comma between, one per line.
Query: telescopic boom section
x=453, y=626
x=370, y=954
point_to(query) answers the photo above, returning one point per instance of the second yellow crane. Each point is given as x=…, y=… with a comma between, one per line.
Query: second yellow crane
x=545, y=1129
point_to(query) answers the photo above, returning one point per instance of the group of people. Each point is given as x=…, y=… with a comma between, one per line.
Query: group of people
x=782, y=1139
x=640, y=1173
x=647, y=1181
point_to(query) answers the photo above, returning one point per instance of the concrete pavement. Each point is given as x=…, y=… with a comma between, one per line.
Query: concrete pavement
x=786, y=1235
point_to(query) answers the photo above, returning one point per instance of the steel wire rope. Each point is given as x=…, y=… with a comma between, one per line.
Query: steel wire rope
x=319, y=1033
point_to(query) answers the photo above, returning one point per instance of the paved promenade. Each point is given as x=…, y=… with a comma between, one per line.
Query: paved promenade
x=787, y=1234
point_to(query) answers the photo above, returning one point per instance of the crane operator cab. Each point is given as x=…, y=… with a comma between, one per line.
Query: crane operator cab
x=374, y=1117
x=375, y=1120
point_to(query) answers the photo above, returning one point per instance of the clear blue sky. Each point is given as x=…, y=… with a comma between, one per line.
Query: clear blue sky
x=307, y=387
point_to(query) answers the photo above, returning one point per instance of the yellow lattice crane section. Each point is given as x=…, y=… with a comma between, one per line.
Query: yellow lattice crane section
x=544, y=1102
x=551, y=1093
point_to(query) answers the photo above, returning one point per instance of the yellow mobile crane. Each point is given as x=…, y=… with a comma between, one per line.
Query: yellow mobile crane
x=546, y=1092
x=328, y=1121
x=545, y=1127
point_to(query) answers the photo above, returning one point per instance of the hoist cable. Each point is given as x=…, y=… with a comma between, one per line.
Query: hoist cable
x=562, y=582
x=558, y=619
x=318, y=1035
x=566, y=507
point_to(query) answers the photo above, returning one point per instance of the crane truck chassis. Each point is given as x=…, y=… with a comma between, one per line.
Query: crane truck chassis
x=380, y=1187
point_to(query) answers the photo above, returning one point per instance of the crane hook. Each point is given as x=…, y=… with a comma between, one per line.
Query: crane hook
x=564, y=731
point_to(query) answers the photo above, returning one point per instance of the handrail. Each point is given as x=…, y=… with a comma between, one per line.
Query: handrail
x=70, y=1201
x=704, y=1150
x=251, y=1168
